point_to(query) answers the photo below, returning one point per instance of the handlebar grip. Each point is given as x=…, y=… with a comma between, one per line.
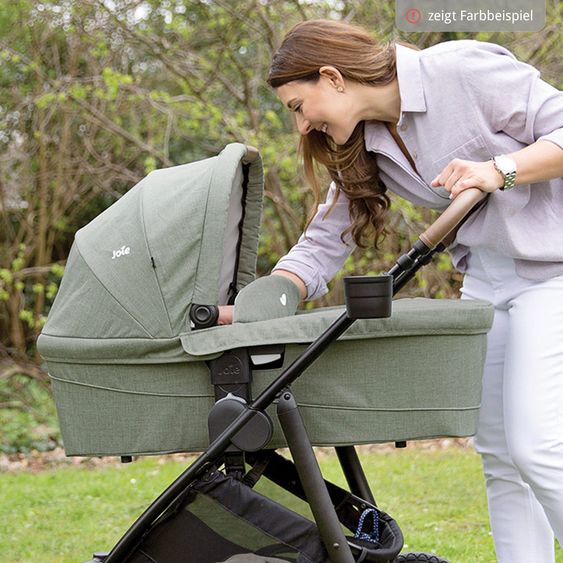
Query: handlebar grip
x=453, y=216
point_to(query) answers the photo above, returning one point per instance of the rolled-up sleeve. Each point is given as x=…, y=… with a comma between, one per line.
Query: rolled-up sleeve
x=512, y=95
x=320, y=252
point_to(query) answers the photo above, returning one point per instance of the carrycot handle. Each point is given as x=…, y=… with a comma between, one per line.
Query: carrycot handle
x=452, y=217
x=251, y=155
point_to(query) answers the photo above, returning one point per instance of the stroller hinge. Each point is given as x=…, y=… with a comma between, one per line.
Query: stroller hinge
x=231, y=373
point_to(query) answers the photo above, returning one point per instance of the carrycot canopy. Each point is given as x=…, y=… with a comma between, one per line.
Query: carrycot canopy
x=185, y=234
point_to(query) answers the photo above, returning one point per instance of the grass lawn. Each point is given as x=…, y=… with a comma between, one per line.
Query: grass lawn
x=63, y=515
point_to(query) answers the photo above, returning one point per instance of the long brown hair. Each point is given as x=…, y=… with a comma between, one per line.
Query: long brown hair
x=305, y=49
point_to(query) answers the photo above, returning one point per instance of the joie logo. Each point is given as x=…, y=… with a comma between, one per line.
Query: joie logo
x=123, y=251
x=230, y=371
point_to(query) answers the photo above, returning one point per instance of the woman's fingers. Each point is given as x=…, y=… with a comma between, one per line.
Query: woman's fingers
x=225, y=315
x=460, y=175
x=446, y=173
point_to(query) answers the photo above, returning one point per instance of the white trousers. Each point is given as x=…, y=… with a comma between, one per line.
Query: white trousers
x=520, y=434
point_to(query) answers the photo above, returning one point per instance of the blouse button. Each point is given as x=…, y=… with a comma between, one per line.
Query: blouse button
x=403, y=127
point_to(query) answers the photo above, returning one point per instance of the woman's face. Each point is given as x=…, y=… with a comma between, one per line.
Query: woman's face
x=321, y=106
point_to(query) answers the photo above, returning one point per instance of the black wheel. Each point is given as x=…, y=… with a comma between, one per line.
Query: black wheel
x=420, y=557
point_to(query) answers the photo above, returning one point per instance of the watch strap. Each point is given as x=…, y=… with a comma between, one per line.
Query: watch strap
x=509, y=177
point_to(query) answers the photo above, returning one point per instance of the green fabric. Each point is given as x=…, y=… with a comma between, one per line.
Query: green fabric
x=210, y=257
x=112, y=351
x=250, y=558
x=129, y=278
x=231, y=526
x=99, y=312
x=415, y=375
x=136, y=268
x=174, y=222
x=132, y=409
x=389, y=389
x=410, y=317
x=266, y=298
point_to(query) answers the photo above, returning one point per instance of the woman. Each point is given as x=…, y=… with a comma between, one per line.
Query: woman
x=427, y=125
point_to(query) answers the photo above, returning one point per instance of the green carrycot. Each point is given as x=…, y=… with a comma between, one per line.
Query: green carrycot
x=130, y=373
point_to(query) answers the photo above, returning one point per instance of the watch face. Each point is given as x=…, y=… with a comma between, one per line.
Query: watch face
x=506, y=164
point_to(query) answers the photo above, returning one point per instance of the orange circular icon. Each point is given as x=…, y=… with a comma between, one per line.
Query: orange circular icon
x=413, y=15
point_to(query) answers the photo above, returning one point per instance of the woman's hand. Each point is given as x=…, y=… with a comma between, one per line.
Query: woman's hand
x=459, y=175
x=225, y=315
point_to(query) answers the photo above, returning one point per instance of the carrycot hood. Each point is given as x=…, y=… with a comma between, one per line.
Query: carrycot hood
x=134, y=271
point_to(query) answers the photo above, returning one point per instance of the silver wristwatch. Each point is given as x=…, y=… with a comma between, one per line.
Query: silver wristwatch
x=507, y=167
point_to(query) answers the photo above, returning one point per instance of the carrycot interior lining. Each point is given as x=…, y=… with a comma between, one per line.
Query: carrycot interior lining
x=216, y=212
x=232, y=237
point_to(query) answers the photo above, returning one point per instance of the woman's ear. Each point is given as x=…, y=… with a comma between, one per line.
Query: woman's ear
x=334, y=77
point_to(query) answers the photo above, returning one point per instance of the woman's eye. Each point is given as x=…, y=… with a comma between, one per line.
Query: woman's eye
x=297, y=109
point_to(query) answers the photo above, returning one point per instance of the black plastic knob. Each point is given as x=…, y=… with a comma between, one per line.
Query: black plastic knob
x=204, y=316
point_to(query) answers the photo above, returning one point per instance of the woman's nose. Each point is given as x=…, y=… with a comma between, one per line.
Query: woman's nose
x=303, y=125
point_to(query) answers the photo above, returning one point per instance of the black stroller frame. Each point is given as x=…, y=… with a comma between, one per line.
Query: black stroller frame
x=238, y=434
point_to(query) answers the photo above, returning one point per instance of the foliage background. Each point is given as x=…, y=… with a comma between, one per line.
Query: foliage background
x=95, y=94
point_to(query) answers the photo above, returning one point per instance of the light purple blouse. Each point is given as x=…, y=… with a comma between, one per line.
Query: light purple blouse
x=460, y=99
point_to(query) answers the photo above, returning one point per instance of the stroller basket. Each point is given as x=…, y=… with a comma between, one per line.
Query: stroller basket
x=232, y=521
x=229, y=519
x=133, y=375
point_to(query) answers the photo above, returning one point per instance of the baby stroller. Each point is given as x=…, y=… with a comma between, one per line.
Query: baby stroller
x=138, y=368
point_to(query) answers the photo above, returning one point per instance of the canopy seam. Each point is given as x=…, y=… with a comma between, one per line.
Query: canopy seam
x=145, y=238
x=130, y=391
x=389, y=409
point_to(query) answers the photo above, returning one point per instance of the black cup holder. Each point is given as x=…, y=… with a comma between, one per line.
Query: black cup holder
x=368, y=297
